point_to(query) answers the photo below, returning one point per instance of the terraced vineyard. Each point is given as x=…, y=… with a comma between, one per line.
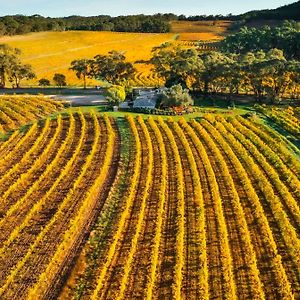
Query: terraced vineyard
x=99, y=208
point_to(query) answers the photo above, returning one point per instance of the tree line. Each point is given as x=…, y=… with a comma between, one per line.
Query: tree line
x=285, y=37
x=263, y=62
x=263, y=74
x=20, y=24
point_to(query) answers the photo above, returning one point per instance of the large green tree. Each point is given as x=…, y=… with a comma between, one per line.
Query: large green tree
x=176, y=96
x=81, y=67
x=8, y=59
x=213, y=63
x=112, y=68
x=19, y=72
x=60, y=79
x=176, y=65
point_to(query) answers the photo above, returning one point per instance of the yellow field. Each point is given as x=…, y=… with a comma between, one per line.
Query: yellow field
x=96, y=207
x=52, y=52
x=199, y=36
x=218, y=28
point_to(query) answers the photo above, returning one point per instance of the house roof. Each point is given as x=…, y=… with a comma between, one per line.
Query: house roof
x=145, y=102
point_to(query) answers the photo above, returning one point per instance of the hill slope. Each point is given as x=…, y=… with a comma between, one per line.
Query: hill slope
x=290, y=11
x=52, y=52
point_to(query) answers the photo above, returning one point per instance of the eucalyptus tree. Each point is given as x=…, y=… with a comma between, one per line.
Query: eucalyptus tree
x=213, y=65
x=112, y=68
x=81, y=67
x=18, y=72
x=176, y=95
x=8, y=59
x=177, y=65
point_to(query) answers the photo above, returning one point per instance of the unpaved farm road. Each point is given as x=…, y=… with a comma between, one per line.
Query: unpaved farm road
x=76, y=97
x=81, y=100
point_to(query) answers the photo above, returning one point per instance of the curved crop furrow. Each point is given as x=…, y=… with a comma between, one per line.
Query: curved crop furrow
x=220, y=269
x=196, y=273
x=97, y=208
x=25, y=143
x=167, y=249
x=141, y=281
x=6, y=121
x=89, y=186
x=16, y=111
x=61, y=187
x=284, y=206
x=83, y=274
x=272, y=273
x=29, y=158
x=8, y=145
x=25, y=115
x=27, y=179
x=245, y=271
x=14, y=115
x=273, y=232
x=287, y=185
x=57, y=215
x=176, y=275
x=275, y=142
x=51, y=166
x=125, y=256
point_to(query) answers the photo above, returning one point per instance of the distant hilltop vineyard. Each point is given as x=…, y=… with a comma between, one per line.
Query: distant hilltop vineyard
x=52, y=52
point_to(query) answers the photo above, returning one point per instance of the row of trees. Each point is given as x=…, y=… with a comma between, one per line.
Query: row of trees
x=261, y=73
x=19, y=24
x=112, y=68
x=58, y=79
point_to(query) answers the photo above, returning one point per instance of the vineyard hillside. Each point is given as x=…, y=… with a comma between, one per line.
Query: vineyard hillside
x=52, y=52
x=96, y=207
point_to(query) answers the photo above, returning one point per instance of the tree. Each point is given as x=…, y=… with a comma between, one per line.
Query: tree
x=8, y=59
x=112, y=67
x=116, y=94
x=19, y=72
x=82, y=69
x=60, y=80
x=176, y=65
x=268, y=73
x=231, y=74
x=213, y=63
x=44, y=82
x=176, y=96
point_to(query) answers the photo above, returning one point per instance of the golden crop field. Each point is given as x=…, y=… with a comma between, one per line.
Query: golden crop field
x=52, y=52
x=211, y=210
x=199, y=36
x=16, y=111
x=219, y=28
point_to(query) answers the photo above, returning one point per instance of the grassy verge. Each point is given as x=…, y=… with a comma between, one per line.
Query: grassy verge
x=104, y=228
